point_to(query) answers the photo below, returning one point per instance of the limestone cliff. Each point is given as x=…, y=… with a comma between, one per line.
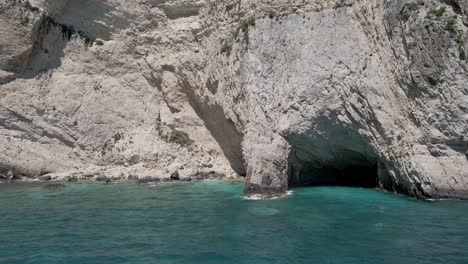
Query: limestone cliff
x=284, y=92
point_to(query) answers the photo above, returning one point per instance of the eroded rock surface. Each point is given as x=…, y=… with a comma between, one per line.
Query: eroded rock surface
x=97, y=88
x=284, y=92
x=360, y=85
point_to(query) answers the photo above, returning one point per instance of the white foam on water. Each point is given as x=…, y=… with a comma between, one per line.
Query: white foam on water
x=254, y=197
x=257, y=197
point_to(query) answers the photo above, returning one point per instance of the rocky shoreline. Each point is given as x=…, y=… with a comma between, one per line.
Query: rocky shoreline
x=56, y=183
x=170, y=175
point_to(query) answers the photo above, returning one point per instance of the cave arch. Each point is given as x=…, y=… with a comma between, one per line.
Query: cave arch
x=333, y=154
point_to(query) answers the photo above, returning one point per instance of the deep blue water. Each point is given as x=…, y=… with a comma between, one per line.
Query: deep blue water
x=209, y=222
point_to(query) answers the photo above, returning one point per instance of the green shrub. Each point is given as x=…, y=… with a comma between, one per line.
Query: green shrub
x=245, y=24
x=411, y=6
x=271, y=14
x=406, y=10
x=404, y=17
x=178, y=137
x=438, y=12
x=118, y=136
x=451, y=26
x=230, y=7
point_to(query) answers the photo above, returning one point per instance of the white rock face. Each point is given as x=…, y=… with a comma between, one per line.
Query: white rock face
x=113, y=106
x=379, y=85
x=284, y=92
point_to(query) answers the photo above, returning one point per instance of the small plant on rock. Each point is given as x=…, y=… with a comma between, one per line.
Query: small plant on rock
x=451, y=26
x=230, y=7
x=118, y=136
x=178, y=137
x=271, y=14
x=438, y=12
x=226, y=48
x=245, y=24
x=406, y=10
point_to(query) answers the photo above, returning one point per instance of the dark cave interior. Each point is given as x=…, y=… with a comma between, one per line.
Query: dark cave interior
x=354, y=172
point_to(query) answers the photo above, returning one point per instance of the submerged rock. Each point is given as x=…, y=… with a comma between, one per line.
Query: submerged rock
x=9, y=175
x=175, y=175
x=101, y=178
x=53, y=186
x=45, y=178
x=185, y=179
x=131, y=177
x=148, y=179
x=71, y=178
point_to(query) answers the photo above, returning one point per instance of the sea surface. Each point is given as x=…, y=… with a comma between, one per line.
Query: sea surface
x=210, y=222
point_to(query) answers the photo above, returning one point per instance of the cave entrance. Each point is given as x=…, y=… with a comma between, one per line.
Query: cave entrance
x=355, y=171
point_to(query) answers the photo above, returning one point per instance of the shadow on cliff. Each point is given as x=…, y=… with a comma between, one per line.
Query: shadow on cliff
x=52, y=34
x=48, y=48
x=332, y=154
x=221, y=128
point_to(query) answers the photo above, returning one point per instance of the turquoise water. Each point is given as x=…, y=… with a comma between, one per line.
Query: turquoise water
x=209, y=222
